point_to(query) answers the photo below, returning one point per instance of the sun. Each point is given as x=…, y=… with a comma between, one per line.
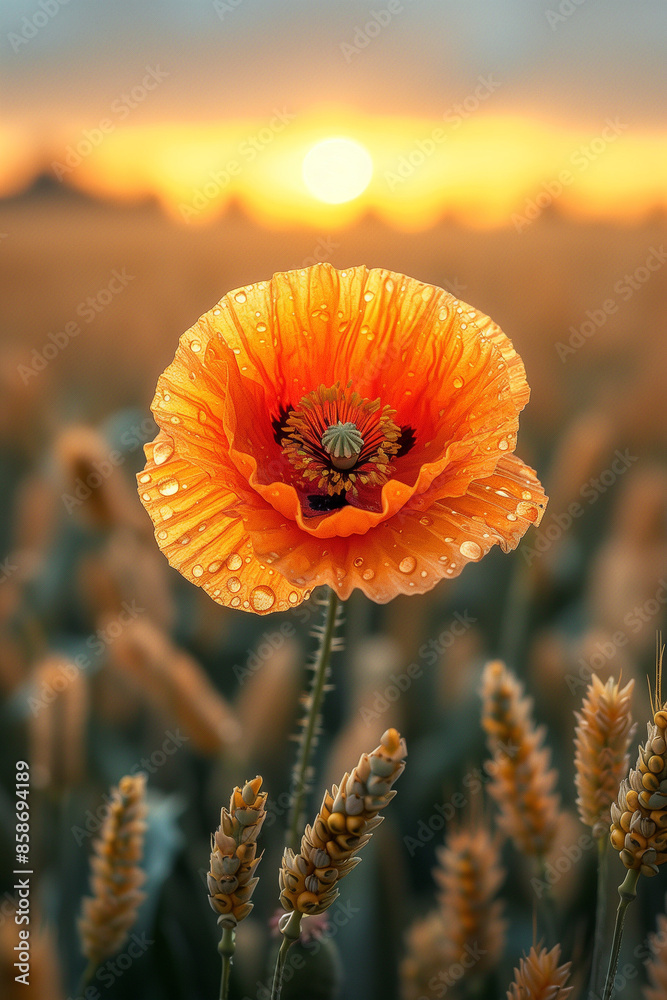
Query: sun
x=337, y=170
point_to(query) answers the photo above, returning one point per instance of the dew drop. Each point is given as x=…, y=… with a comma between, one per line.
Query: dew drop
x=195, y=346
x=162, y=535
x=175, y=420
x=145, y=478
x=425, y=521
x=527, y=495
x=262, y=598
x=527, y=510
x=168, y=487
x=197, y=570
x=444, y=559
x=503, y=445
x=184, y=539
x=368, y=574
x=162, y=451
x=408, y=564
x=423, y=574
x=234, y=561
x=369, y=296
x=458, y=382
x=261, y=327
x=389, y=285
x=511, y=517
x=166, y=513
x=235, y=601
x=240, y=297
x=234, y=584
x=145, y=496
x=202, y=416
x=214, y=566
x=358, y=561
x=471, y=550
x=293, y=597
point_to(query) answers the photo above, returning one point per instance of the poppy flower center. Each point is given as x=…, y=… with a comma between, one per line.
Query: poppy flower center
x=338, y=441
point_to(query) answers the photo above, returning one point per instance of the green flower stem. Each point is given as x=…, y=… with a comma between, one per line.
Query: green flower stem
x=226, y=949
x=627, y=890
x=315, y=704
x=291, y=933
x=600, y=914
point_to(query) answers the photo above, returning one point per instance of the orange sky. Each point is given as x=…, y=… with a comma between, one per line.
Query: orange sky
x=483, y=169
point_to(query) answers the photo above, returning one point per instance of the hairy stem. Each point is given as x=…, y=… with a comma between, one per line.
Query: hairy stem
x=315, y=699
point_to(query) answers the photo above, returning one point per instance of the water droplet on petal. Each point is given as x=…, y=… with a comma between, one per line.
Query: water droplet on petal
x=408, y=564
x=146, y=497
x=262, y=598
x=503, y=445
x=527, y=510
x=293, y=597
x=234, y=561
x=162, y=535
x=471, y=550
x=369, y=296
x=261, y=327
x=368, y=574
x=166, y=513
x=168, y=487
x=358, y=561
x=195, y=346
x=214, y=566
x=240, y=297
x=425, y=521
x=457, y=382
x=235, y=601
x=145, y=478
x=197, y=570
x=511, y=517
x=162, y=450
x=234, y=584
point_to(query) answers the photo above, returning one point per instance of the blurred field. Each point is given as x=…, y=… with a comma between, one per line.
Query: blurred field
x=586, y=590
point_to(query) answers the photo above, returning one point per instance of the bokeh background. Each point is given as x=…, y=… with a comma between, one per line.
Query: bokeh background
x=150, y=161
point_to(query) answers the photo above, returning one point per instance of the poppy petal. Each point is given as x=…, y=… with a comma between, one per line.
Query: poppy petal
x=412, y=551
x=199, y=527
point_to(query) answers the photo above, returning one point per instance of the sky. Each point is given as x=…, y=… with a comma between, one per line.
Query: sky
x=177, y=93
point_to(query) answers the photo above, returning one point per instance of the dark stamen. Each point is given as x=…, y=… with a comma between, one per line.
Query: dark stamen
x=278, y=422
x=406, y=441
x=323, y=503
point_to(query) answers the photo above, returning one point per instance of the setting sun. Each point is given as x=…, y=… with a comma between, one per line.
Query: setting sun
x=337, y=170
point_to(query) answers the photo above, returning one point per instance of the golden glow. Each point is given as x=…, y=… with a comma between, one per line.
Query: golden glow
x=337, y=170
x=485, y=171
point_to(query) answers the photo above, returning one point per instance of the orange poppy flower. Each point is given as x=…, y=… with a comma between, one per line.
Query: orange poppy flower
x=352, y=428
